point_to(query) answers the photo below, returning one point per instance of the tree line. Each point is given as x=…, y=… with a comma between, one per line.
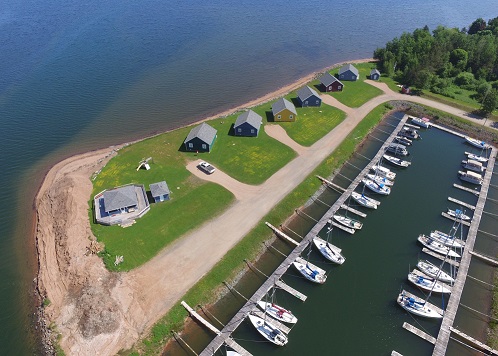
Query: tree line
x=436, y=60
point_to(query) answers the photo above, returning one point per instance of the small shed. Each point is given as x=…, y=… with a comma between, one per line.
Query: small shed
x=200, y=138
x=308, y=97
x=159, y=191
x=330, y=83
x=284, y=110
x=248, y=124
x=374, y=74
x=349, y=72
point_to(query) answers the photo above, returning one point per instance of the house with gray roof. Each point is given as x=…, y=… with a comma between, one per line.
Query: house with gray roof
x=349, y=72
x=159, y=191
x=248, y=124
x=374, y=74
x=330, y=83
x=308, y=97
x=121, y=205
x=283, y=110
x=200, y=138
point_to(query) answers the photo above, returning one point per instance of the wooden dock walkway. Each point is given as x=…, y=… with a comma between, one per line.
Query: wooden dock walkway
x=454, y=301
x=440, y=257
x=468, y=206
x=446, y=215
x=446, y=129
x=419, y=332
x=331, y=184
x=280, y=284
x=474, y=341
x=281, y=234
x=354, y=211
x=475, y=192
x=484, y=257
x=239, y=317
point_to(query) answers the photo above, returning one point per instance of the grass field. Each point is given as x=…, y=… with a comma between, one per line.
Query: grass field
x=204, y=292
x=356, y=93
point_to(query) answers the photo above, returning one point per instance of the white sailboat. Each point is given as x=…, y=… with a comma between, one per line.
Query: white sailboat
x=458, y=214
x=475, y=157
x=377, y=188
x=398, y=162
x=310, y=271
x=435, y=272
x=365, y=201
x=397, y=149
x=422, y=122
x=473, y=165
x=329, y=251
x=477, y=143
x=427, y=283
x=268, y=331
x=403, y=140
x=384, y=172
x=277, y=312
x=471, y=177
x=417, y=306
x=380, y=180
x=436, y=246
x=347, y=221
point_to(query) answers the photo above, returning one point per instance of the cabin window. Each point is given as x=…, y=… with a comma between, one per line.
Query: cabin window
x=317, y=102
x=252, y=130
x=291, y=117
x=204, y=146
x=306, y=102
x=190, y=145
x=279, y=117
x=239, y=130
x=339, y=87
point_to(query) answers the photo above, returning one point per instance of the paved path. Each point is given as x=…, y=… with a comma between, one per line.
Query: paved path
x=180, y=265
x=278, y=133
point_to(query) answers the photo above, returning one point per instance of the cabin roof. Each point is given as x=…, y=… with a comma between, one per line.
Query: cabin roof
x=348, y=67
x=282, y=104
x=305, y=92
x=251, y=118
x=159, y=189
x=328, y=79
x=203, y=132
x=120, y=198
x=374, y=71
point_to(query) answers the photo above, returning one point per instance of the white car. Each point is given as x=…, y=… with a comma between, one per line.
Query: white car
x=206, y=167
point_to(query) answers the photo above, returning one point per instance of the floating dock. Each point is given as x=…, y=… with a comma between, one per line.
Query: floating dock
x=354, y=211
x=468, y=206
x=280, y=284
x=342, y=227
x=419, y=332
x=473, y=341
x=454, y=301
x=448, y=216
x=239, y=317
x=331, y=184
x=486, y=258
x=473, y=191
x=281, y=234
x=440, y=257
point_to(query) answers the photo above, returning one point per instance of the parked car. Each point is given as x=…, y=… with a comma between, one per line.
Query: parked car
x=206, y=167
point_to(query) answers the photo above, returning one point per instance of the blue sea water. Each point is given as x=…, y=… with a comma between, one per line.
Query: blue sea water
x=76, y=76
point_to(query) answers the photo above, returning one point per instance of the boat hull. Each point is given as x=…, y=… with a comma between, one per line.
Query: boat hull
x=269, y=332
x=410, y=305
x=277, y=312
x=374, y=187
x=476, y=143
x=309, y=271
x=435, y=246
x=434, y=272
x=428, y=284
x=330, y=252
x=364, y=201
x=348, y=222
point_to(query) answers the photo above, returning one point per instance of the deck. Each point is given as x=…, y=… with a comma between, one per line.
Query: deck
x=454, y=301
x=459, y=202
x=419, y=333
x=239, y=317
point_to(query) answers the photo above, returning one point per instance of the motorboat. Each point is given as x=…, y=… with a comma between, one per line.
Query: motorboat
x=329, y=251
x=403, y=140
x=397, y=149
x=475, y=157
x=377, y=188
x=477, y=143
x=435, y=272
x=422, y=122
x=384, y=172
x=473, y=165
x=470, y=177
x=458, y=214
x=445, y=239
x=409, y=132
x=365, y=201
x=427, y=283
x=436, y=246
x=277, y=312
x=310, y=271
x=396, y=161
x=418, y=306
x=268, y=331
x=347, y=221
x=380, y=180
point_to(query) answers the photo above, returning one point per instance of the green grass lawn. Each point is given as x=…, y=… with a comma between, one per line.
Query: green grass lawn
x=356, y=93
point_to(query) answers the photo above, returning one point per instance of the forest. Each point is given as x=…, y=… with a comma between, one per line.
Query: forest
x=447, y=61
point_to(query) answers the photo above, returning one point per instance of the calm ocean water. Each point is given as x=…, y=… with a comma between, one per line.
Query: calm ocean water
x=75, y=76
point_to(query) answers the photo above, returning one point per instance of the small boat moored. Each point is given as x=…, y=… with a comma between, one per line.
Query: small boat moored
x=403, y=140
x=471, y=177
x=422, y=122
x=380, y=180
x=409, y=132
x=364, y=200
x=475, y=157
x=377, y=188
x=473, y=165
x=347, y=221
x=458, y=214
x=384, y=172
x=427, y=283
x=397, y=149
x=397, y=161
x=476, y=143
x=436, y=246
x=277, y=312
x=445, y=239
x=329, y=251
x=434, y=272
x=417, y=306
x=310, y=271
x=268, y=331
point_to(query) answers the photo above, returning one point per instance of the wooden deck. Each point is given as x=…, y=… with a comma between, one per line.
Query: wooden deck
x=446, y=215
x=354, y=211
x=239, y=317
x=473, y=341
x=281, y=234
x=473, y=191
x=459, y=202
x=419, y=332
x=454, y=301
x=331, y=184
x=484, y=257
x=280, y=284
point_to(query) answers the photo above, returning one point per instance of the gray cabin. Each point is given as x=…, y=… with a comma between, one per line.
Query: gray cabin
x=159, y=191
x=248, y=124
x=349, y=72
x=200, y=138
x=374, y=74
x=308, y=97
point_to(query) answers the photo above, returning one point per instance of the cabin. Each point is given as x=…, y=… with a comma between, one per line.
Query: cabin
x=308, y=97
x=330, y=83
x=374, y=74
x=349, y=72
x=121, y=204
x=283, y=110
x=248, y=124
x=200, y=138
x=159, y=191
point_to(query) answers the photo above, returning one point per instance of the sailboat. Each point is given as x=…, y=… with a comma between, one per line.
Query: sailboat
x=427, y=283
x=475, y=157
x=329, y=251
x=435, y=272
x=458, y=214
x=276, y=311
x=380, y=180
x=377, y=188
x=417, y=306
x=268, y=331
x=384, y=172
x=309, y=271
x=436, y=246
x=477, y=143
x=347, y=221
x=365, y=201
x=398, y=162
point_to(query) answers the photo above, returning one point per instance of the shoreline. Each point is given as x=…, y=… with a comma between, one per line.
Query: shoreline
x=57, y=253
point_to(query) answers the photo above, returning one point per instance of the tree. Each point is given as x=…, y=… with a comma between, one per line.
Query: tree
x=423, y=79
x=493, y=26
x=477, y=25
x=464, y=78
x=459, y=58
x=482, y=90
x=490, y=102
